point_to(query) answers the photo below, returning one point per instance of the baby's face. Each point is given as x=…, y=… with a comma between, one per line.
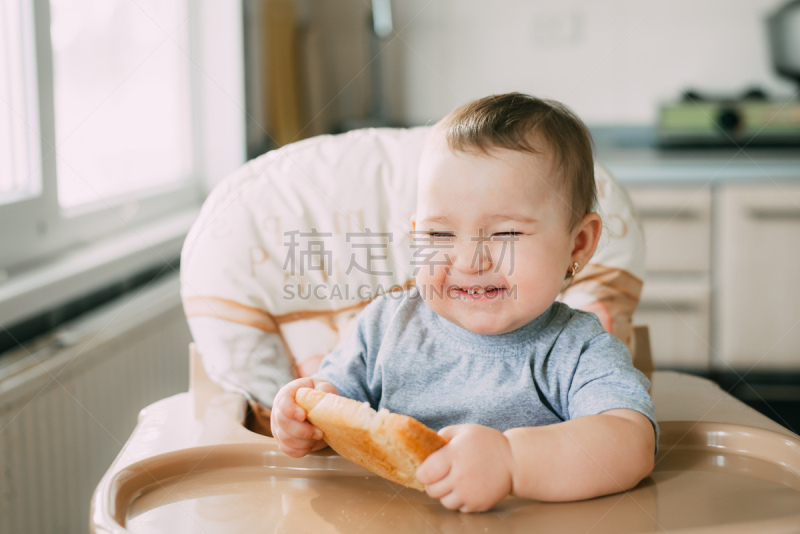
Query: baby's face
x=493, y=224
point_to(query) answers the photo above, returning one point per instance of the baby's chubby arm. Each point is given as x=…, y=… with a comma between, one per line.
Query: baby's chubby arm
x=578, y=459
x=584, y=457
x=296, y=436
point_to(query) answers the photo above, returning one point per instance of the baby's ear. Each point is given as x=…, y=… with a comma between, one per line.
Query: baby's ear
x=586, y=237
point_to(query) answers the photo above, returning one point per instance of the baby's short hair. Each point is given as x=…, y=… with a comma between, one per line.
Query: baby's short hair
x=517, y=122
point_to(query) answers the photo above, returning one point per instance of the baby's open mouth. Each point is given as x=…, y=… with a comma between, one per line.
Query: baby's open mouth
x=478, y=292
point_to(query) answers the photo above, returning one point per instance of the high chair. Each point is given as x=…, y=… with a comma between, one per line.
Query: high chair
x=274, y=273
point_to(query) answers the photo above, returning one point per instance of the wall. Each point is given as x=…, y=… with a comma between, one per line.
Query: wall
x=611, y=61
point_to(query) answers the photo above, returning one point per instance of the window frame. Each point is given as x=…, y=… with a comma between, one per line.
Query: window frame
x=36, y=230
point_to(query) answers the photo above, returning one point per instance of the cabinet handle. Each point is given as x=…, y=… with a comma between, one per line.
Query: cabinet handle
x=662, y=305
x=666, y=213
x=775, y=214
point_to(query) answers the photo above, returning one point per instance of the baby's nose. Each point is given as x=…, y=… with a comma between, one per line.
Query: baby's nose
x=473, y=256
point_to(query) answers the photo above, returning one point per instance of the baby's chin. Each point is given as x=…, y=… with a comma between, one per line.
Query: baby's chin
x=486, y=329
x=483, y=324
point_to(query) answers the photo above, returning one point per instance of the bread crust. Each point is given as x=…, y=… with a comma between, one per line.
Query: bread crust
x=388, y=444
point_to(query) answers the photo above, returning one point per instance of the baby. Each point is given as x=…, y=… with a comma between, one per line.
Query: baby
x=535, y=398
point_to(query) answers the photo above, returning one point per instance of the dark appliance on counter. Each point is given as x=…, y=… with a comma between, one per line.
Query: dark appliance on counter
x=751, y=119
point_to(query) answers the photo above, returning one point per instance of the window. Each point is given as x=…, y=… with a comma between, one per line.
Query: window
x=121, y=88
x=96, y=116
x=116, y=118
x=19, y=168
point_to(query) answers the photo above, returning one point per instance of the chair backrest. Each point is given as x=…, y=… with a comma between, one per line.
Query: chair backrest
x=288, y=249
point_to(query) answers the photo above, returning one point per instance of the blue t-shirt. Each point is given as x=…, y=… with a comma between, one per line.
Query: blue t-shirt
x=406, y=358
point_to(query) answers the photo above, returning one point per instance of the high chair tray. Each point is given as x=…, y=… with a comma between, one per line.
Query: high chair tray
x=191, y=466
x=709, y=477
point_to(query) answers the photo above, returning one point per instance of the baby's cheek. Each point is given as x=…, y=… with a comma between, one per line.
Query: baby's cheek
x=432, y=281
x=505, y=256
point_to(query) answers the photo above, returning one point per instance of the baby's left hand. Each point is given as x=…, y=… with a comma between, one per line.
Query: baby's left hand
x=472, y=472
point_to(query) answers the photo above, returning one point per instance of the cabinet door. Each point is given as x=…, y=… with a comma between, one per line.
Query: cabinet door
x=675, y=302
x=676, y=312
x=758, y=277
x=677, y=228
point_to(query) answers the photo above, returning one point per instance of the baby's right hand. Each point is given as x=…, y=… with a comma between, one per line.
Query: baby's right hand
x=295, y=436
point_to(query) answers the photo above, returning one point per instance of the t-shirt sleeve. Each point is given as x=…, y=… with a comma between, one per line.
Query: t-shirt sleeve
x=605, y=379
x=349, y=367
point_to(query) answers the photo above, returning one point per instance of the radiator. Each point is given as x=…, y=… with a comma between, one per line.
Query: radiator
x=67, y=409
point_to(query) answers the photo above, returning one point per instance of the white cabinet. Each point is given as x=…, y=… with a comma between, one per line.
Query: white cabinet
x=676, y=296
x=677, y=313
x=677, y=228
x=722, y=288
x=757, y=277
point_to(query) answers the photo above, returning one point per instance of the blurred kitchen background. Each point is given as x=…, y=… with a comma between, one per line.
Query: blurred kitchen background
x=117, y=117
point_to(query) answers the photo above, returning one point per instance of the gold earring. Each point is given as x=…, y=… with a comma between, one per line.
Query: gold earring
x=574, y=269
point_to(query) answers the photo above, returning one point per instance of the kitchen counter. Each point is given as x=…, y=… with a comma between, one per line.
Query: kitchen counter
x=632, y=156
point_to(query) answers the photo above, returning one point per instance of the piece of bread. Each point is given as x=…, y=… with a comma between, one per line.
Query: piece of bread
x=388, y=444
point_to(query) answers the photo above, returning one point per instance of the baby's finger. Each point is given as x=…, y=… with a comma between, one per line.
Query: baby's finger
x=289, y=407
x=297, y=429
x=449, y=432
x=288, y=441
x=294, y=452
x=294, y=385
x=452, y=501
x=435, y=467
x=325, y=386
x=319, y=445
x=437, y=490
x=296, y=447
